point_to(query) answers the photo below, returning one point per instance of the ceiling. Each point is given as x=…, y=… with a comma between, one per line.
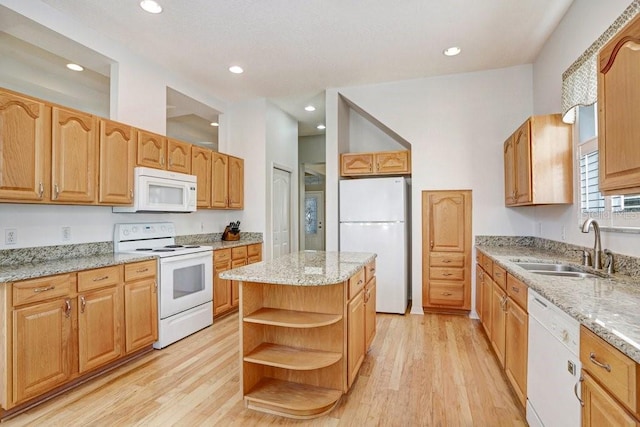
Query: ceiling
x=292, y=51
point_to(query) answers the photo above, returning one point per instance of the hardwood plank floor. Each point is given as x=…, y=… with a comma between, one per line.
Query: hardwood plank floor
x=432, y=370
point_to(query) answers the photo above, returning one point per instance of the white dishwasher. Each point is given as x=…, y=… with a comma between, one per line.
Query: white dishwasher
x=553, y=368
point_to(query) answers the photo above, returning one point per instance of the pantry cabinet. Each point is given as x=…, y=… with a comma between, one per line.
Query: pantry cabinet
x=538, y=165
x=25, y=148
x=376, y=163
x=117, y=157
x=74, y=156
x=618, y=111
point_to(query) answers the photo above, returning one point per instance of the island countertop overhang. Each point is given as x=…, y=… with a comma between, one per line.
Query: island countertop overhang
x=305, y=268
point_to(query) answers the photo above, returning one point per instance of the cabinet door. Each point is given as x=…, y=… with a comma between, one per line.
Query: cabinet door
x=254, y=253
x=42, y=348
x=356, y=336
x=117, y=156
x=618, y=111
x=446, y=212
x=356, y=164
x=498, y=321
x=219, y=180
x=517, y=330
x=99, y=327
x=25, y=143
x=509, y=172
x=393, y=162
x=201, y=168
x=151, y=150
x=235, y=285
x=487, y=303
x=74, y=156
x=221, y=288
x=479, y=291
x=140, y=314
x=600, y=409
x=522, y=149
x=370, y=309
x=236, y=183
x=178, y=156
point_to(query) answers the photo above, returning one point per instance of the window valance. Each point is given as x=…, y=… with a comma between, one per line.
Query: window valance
x=580, y=80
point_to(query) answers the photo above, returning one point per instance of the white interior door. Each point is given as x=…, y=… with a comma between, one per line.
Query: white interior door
x=281, y=212
x=314, y=220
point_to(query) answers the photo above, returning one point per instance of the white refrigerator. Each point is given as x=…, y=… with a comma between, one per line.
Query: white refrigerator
x=373, y=218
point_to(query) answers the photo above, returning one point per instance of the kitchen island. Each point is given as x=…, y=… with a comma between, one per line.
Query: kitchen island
x=306, y=322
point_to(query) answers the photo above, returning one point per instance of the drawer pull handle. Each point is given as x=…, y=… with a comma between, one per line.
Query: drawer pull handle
x=67, y=308
x=515, y=289
x=446, y=274
x=48, y=288
x=142, y=270
x=373, y=270
x=359, y=282
x=446, y=261
x=99, y=279
x=605, y=366
x=83, y=304
x=497, y=273
x=447, y=294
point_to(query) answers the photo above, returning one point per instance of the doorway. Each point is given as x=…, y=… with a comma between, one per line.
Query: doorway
x=314, y=220
x=281, y=212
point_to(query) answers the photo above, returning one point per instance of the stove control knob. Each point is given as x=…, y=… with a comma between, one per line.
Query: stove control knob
x=134, y=230
x=163, y=228
x=125, y=232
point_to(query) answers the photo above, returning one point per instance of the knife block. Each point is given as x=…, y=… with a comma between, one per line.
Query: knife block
x=229, y=235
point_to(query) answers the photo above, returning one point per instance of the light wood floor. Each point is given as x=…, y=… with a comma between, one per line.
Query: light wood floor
x=432, y=370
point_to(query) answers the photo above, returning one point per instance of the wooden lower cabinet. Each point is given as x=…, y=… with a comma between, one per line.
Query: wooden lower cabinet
x=60, y=329
x=600, y=409
x=226, y=295
x=370, y=311
x=487, y=302
x=517, y=330
x=356, y=335
x=498, y=321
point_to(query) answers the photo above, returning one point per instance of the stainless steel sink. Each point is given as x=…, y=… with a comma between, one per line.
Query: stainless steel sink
x=565, y=273
x=547, y=266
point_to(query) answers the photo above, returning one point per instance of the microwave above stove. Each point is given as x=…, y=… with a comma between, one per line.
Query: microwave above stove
x=158, y=190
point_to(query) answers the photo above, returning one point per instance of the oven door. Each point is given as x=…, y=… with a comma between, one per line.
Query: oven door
x=186, y=281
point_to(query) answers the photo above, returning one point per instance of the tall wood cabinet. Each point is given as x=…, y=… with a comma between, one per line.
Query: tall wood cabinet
x=446, y=250
x=25, y=148
x=618, y=110
x=538, y=165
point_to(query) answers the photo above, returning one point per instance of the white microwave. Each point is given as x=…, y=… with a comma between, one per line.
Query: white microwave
x=156, y=190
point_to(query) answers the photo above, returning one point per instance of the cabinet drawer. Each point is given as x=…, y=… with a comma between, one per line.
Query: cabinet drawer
x=516, y=290
x=239, y=253
x=254, y=250
x=446, y=260
x=222, y=255
x=446, y=273
x=500, y=277
x=479, y=257
x=449, y=294
x=615, y=371
x=487, y=265
x=356, y=283
x=369, y=271
x=139, y=270
x=99, y=278
x=43, y=288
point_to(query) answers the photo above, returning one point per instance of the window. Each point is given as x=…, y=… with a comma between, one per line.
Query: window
x=611, y=211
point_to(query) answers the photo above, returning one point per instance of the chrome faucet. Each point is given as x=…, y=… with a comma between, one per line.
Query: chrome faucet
x=597, y=248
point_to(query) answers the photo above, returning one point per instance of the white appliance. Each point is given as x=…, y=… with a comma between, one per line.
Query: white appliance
x=553, y=367
x=373, y=218
x=158, y=190
x=185, y=277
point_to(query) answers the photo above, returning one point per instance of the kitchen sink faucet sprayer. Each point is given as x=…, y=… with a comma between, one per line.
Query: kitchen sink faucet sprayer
x=597, y=247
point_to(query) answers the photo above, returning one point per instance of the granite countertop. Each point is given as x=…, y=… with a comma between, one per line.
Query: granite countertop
x=607, y=305
x=224, y=244
x=308, y=268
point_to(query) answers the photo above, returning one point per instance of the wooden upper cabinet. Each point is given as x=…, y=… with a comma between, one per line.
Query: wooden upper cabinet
x=178, y=156
x=117, y=157
x=236, y=183
x=25, y=144
x=74, y=156
x=219, y=180
x=618, y=111
x=201, y=168
x=152, y=150
x=377, y=163
x=538, y=168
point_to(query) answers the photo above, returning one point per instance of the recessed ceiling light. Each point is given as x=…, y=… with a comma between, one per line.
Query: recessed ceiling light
x=321, y=127
x=75, y=67
x=150, y=6
x=452, y=51
x=236, y=69
x=214, y=124
x=310, y=108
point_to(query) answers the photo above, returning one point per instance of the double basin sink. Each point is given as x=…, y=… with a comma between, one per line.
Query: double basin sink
x=551, y=269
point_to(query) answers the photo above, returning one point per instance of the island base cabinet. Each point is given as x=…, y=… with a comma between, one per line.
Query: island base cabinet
x=356, y=331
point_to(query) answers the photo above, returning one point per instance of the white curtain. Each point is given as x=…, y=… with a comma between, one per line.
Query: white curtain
x=580, y=81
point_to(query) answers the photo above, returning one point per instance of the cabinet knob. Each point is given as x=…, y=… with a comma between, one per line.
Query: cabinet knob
x=83, y=304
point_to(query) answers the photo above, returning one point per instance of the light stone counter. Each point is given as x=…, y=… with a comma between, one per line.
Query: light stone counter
x=607, y=305
x=308, y=268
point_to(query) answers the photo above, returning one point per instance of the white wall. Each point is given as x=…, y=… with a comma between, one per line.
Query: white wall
x=311, y=149
x=365, y=136
x=581, y=26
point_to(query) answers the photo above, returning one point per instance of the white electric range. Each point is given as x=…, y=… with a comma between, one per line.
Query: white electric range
x=185, y=277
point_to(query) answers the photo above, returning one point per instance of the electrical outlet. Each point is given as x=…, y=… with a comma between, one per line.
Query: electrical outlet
x=10, y=236
x=66, y=233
